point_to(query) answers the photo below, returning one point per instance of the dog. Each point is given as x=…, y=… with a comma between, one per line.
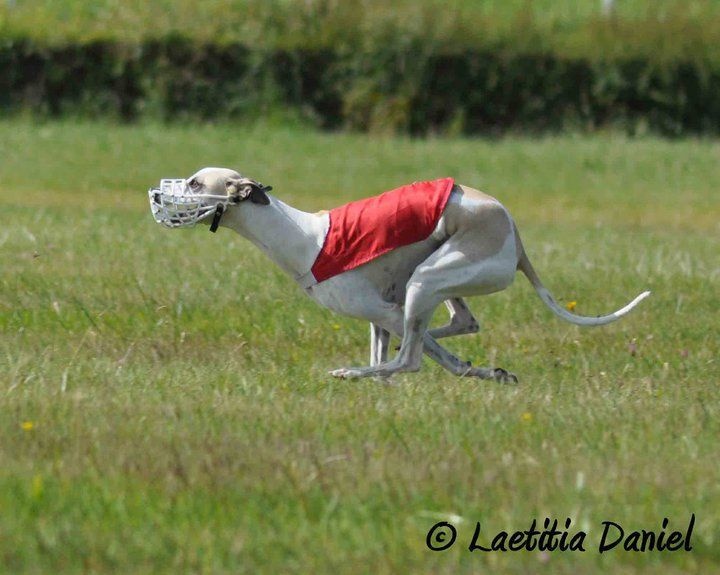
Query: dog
x=423, y=252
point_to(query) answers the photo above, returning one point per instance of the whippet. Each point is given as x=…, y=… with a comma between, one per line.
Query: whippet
x=473, y=248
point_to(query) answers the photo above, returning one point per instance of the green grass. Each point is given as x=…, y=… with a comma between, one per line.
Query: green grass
x=256, y=20
x=175, y=382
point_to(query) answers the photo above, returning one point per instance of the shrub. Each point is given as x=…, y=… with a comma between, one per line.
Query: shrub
x=389, y=76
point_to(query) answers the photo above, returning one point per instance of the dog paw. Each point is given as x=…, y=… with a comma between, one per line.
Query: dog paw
x=381, y=376
x=503, y=376
x=346, y=373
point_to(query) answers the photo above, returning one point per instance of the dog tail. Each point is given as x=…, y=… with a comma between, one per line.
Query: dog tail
x=525, y=267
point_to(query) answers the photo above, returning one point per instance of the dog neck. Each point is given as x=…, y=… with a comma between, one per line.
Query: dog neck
x=290, y=237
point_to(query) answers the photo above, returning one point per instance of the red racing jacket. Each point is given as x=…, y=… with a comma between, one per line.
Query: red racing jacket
x=366, y=229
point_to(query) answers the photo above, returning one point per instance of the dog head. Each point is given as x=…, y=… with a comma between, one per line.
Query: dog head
x=223, y=181
x=203, y=197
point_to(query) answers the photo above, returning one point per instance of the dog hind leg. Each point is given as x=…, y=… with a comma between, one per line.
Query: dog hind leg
x=380, y=367
x=464, y=368
x=461, y=321
x=392, y=319
x=451, y=272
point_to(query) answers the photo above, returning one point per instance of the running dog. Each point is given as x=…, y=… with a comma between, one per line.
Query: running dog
x=390, y=259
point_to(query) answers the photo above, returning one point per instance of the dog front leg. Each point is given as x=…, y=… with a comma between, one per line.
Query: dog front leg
x=379, y=344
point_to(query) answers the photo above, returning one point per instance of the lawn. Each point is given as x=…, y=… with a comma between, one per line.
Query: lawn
x=253, y=20
x=165, y=399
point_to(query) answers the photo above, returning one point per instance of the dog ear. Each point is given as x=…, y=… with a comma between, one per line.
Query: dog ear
x=241, y=189
x=258, y=194
x=238, y=189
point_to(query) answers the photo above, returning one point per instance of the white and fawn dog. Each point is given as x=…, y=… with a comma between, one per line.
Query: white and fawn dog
x=474, y=249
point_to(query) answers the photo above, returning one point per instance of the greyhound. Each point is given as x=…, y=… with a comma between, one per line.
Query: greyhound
x=473, y=248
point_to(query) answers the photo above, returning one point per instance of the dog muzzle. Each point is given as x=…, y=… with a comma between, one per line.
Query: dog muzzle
x=175, y=205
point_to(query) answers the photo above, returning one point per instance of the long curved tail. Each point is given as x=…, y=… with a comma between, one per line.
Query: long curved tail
x=525, y=266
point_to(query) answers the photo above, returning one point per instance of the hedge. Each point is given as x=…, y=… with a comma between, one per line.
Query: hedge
x=390, y=82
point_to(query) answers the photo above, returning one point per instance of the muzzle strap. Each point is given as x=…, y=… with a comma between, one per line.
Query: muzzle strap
x=219, y=211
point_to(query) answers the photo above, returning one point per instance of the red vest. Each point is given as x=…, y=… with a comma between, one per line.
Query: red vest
x=363, y=230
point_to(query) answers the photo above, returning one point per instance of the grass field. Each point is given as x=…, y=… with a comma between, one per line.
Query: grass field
x=165, y=404
x=254, y=20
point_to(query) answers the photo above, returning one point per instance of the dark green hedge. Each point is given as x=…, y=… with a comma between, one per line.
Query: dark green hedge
x=396, y=85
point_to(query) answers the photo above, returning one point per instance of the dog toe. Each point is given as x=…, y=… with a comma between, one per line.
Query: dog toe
x=503, y=376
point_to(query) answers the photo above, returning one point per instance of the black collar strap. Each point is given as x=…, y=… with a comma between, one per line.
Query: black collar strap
x=219, y=210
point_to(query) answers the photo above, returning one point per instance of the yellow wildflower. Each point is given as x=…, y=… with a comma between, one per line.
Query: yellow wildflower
x=526, y=417
x=37, y=487
x=570, y=306
x=27, y=425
